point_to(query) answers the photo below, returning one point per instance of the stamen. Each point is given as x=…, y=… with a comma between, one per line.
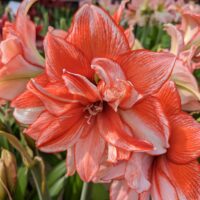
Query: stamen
x=93, y=110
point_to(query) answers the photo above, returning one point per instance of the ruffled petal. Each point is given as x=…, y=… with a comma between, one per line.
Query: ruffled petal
x=112, y=172
x=113, y=85
x=120, y=191
x=81, y=88
x=147, y=70
x=88, y=154
x=137, y=172
x=108, y=70
x=96, y=34
x=148, y=122
x=113, y=131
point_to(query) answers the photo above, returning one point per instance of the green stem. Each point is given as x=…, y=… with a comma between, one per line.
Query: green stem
x=37, y=185
x=84, y=191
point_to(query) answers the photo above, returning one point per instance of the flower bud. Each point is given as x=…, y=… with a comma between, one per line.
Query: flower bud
x=3, y=181
x=11, y=168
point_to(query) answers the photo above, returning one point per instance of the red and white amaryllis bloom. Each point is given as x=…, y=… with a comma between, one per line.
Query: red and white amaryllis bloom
x=19, y=58
x=173, y=175
x=95, y=97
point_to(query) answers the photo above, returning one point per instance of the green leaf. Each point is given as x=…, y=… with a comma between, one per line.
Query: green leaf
x=22, y=178
x=56, y=173
x=56, y=189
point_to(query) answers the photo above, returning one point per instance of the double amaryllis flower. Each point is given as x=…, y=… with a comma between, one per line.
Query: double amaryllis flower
x=111, y=107
x=19, y=58
x=93, y=96
x=173, y=175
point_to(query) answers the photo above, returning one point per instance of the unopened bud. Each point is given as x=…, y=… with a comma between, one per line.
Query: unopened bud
x=11, y=168
x=3, y=181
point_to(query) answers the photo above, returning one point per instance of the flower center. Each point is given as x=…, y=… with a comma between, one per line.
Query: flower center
x=93, y=110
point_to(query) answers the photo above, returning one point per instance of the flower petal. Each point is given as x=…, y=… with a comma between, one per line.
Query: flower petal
x=70, y=161
x=162, y=187
x=169, y=99
x=184, y=140
x=8, y=92
x=88, y=154
x=118, y=14
x=147, y=71
x=26, y=30
x=10, y=48
x=113, y=131
x=137, y=172
x=80, y=87
x=14, y=77
x=120, y=191
x=62, y=55
x=26, y=100
x=18, y=68
x=59, y=133
x=148, y=122
x=177, y=40
x=176, y=181
x=54, y=96
x=107, y=70
x=186, y=179
x=111, y=172
x=27, y=115
x=96, y=34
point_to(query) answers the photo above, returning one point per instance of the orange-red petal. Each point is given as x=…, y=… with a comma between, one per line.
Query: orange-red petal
x=96, y=34
x=88, y=153
x=113, y=131
x=147, y=70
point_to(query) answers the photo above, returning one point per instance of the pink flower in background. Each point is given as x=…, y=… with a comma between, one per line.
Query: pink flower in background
x=94, y=95
x=168, y=176
x=152, y=11
x=185, y=43
x=20, y=60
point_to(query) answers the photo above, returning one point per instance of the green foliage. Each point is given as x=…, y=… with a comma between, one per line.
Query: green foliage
x=152, y=37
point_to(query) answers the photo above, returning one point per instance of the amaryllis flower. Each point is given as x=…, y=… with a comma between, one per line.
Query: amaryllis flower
x=141, y=11
x=174, y=175
x=19, y=58
x=94, y=94
x=185, y=44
